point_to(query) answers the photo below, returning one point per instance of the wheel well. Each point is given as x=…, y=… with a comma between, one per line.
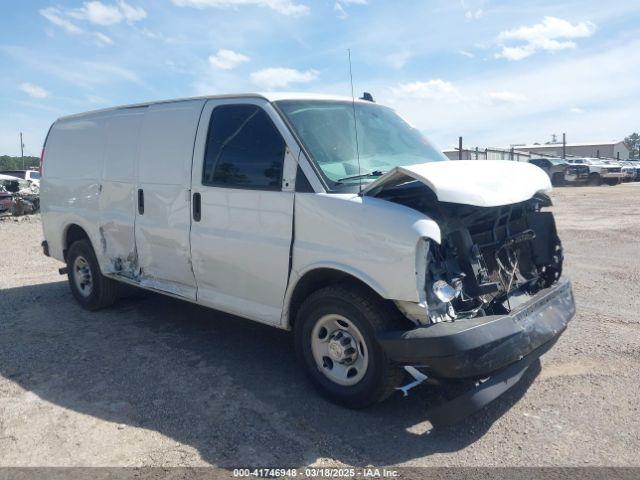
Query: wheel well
x=74, y=233
x=315, y=280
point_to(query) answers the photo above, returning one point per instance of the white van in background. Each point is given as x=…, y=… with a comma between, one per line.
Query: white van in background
x=384, y=257
x=32, y=176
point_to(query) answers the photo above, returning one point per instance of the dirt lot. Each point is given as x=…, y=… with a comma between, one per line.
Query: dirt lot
x=156, y=381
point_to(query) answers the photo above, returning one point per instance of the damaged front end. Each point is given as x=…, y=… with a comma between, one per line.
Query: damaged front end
x=491, y=259
x=493, y=290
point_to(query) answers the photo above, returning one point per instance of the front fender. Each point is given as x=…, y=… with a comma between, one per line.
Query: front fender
x=374, y=240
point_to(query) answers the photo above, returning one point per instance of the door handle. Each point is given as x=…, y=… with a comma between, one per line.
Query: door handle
x=140, y=201
x=197, y=207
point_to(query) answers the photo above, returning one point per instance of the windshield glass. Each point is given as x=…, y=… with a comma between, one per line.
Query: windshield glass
x=384, y=140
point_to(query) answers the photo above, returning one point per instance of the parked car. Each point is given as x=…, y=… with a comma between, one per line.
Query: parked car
x=561, y=172
x=600, y=171
x=631, y=170
x=25, y=194
x=6, y=200
x=386, y=260
x=30, y=175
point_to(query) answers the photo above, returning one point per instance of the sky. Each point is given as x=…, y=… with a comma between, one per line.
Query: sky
x=495, y=72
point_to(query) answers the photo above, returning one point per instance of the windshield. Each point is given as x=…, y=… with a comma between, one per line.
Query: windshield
x=384, y=140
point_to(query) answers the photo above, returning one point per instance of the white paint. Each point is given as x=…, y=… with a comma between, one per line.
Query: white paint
x=237, y=257
x=164, y=174
x=486, y=183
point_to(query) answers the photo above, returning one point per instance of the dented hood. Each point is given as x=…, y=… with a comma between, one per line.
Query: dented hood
x=483, y=183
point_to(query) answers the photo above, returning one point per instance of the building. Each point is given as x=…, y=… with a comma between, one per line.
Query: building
x=595, y=150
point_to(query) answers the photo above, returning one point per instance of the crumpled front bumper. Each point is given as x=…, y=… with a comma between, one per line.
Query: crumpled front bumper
x=482, y=346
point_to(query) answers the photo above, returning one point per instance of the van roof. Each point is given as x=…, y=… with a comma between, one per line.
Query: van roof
x=269, y=96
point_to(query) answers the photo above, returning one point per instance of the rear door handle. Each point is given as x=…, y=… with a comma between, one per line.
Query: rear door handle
x=197, y=207
x=140, y=201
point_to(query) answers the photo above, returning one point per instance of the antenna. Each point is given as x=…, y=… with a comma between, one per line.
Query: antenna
x=355, y=122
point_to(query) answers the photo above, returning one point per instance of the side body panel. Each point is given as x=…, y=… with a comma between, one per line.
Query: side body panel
x=374, y=240
x=241, y=245
x=164, y=175
x=70, y=188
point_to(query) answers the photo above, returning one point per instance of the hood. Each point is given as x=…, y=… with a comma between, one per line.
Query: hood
x=483, y=183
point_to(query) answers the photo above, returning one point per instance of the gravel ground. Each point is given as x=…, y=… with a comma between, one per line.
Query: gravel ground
x=156, y=381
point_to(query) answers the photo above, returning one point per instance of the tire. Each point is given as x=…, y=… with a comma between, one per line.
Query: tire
x=363, y=313
x=90, y=288
x=558, y=179
x=611, y=181
x=595, y=179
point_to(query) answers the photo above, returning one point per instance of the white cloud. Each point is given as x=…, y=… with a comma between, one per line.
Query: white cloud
x=104, y=14
x=551, y=35
x=55, y=16
x=34, y=91
x=608, y=111
x=505, y=97
x=101, y=39
x=341, y=6
x=466, y=53
x=282, y=77
x=516, y=53
x=106, y=72
x=471, y=15
x=285, y=7
x=94, y=12
x=399, y=59
x=131, y=14
x=436, y=89
x=577, y=110
x=227, y=59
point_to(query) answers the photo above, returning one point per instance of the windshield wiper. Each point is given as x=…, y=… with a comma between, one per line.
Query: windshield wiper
x=375, y=173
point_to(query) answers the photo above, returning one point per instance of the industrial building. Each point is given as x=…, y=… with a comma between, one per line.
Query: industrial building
x=617, y=150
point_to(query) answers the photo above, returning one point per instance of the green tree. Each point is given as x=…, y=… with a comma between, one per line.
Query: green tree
x=15, y=163
x=633, y=142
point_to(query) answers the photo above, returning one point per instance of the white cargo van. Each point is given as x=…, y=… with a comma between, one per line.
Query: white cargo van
x=334, y=219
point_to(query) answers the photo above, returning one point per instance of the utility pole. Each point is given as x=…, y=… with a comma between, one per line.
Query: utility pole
x=564, y=145
x=459, y=148
x=21, y=150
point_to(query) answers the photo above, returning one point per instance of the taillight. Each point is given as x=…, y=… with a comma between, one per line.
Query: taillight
x=41, y=160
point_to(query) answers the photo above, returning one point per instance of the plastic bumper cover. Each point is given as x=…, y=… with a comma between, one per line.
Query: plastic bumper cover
x=482, y=346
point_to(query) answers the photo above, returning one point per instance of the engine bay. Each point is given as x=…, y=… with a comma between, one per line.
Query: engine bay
x=491, y=259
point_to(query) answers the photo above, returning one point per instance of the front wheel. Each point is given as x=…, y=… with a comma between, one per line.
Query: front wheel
x=558, y=179
x=335, y=341
x=595, y=179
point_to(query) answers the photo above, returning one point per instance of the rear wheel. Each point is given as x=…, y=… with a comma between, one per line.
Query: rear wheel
x=90, y=288
x=611, y=181
x=335, y=341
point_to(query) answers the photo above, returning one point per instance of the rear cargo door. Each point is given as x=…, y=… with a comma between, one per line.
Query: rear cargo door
x=163, y=197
